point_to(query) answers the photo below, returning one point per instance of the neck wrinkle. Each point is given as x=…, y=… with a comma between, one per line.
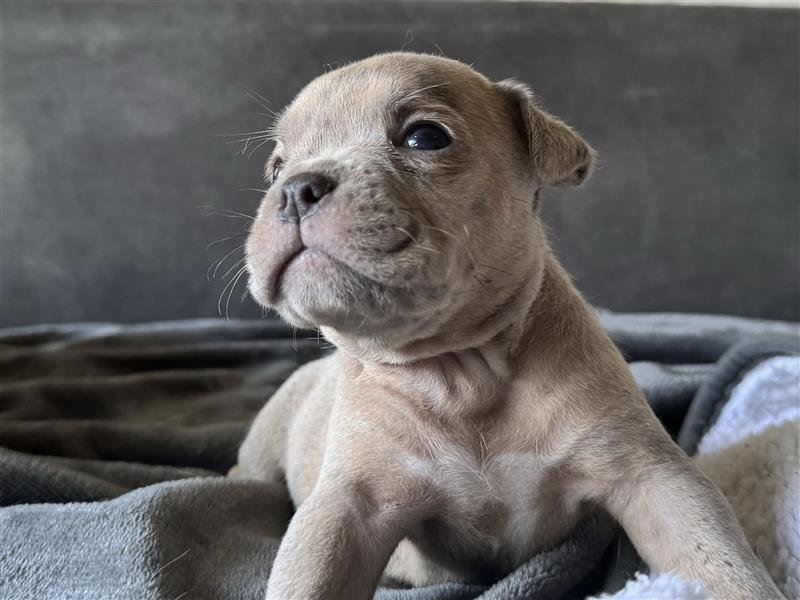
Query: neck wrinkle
x=461, y=384
x=503, y=327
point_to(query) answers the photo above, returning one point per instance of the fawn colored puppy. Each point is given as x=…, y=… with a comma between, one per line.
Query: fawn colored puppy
x=475, y=410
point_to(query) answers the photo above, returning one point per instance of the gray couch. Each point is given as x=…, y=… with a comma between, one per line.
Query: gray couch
x=114, y=147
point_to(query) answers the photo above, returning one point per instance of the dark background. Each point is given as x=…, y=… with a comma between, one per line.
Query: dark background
x=114, y=151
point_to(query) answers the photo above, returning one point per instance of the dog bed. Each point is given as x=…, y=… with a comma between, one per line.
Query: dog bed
x=113, y=440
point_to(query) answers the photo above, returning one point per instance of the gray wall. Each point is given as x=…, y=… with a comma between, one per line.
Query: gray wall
x=113, y=115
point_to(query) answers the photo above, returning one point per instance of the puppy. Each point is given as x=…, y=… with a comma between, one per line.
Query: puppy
x=475, y=409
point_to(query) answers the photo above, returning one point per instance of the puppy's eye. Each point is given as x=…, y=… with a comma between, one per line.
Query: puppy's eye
x=277, y=167
x=426, y=136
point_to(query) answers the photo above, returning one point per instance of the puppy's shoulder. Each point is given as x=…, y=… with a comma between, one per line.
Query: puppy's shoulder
x=313, y=373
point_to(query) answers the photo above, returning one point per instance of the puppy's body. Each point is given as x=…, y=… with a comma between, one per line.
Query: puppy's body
x=497, y=461
x=475, y=409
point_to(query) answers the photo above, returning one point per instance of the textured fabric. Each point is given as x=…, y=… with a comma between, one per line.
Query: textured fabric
x=751, y=452
x=112, y=440
x=195, y=538
x=749, y=448
x=667, y=586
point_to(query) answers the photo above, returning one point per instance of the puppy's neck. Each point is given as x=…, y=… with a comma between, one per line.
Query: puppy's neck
x=487, y=319
x=465, y=382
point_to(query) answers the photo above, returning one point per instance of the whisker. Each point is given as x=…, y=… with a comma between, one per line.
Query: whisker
x=235, y=281
x=478, y=279
x=416, y=241
x=452, y=235
x=246, y=134
x=266, y=141
x=425, y=89
x=247, y=140
x=260, y=100
x=494, y=268
x=225, y=239
x=407, y=39
x=236, y=264
x=455, y=237
x=252, y=190
x=164, y=566
x=219, y=301
x=218, y=263
x=230, y=214
x=230, y=285
x=413, y=239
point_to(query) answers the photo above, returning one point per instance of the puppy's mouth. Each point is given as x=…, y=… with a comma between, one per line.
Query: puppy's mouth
x=275, y=280
x=298, y=249
x=312, y=257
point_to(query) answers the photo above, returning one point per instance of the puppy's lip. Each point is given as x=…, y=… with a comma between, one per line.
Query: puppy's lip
x=274, y=279
x=311, y=251
x=274, y=282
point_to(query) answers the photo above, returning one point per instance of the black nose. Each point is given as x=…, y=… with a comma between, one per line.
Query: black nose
x=301, y=194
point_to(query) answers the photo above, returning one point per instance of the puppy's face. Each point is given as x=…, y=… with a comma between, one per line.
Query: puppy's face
x=403, y=196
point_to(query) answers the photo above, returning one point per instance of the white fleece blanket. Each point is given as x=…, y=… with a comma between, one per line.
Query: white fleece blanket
x=751, y=452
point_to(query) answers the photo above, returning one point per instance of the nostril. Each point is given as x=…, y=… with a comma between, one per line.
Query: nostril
x=311, y=194
x=318, y=187
x=302, y=192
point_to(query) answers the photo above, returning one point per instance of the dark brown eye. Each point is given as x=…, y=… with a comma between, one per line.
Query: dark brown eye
x=277, y=167
x=426, y=136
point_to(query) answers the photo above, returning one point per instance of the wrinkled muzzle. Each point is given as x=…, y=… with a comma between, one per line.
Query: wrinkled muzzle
x=344, y=244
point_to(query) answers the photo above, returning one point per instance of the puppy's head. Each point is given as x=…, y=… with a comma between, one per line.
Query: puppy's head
x=403, y=200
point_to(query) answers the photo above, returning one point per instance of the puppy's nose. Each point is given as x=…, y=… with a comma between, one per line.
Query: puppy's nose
x=301, y=194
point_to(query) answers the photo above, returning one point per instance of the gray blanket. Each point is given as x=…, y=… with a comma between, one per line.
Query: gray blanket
x=113, y=440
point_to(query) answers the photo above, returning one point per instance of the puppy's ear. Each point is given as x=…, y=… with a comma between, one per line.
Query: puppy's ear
x=559, y=155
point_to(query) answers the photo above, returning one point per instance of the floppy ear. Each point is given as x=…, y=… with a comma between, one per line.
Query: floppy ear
x=558, y=154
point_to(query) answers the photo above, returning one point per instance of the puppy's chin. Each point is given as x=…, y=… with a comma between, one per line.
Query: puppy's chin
x=318, y=290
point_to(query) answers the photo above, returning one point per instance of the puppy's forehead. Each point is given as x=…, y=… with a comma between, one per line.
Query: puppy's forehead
x=355, y=102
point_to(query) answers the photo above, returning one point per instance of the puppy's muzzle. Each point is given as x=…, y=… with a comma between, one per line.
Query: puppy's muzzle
x=301, y=195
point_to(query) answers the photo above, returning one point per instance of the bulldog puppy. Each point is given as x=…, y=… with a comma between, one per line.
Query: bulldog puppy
x=475, y=409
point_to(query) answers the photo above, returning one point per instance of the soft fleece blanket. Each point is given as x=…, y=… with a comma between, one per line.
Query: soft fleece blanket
x=744, y=427
x=112, y=440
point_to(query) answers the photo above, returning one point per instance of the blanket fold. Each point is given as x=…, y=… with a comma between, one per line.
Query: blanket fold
x=113, y=440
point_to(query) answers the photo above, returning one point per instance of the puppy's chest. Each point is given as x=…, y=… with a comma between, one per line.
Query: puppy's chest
x=500, y=506
x=497, y=466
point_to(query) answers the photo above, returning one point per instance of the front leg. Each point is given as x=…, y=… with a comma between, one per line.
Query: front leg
x=679, y=521
x=339, y=542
